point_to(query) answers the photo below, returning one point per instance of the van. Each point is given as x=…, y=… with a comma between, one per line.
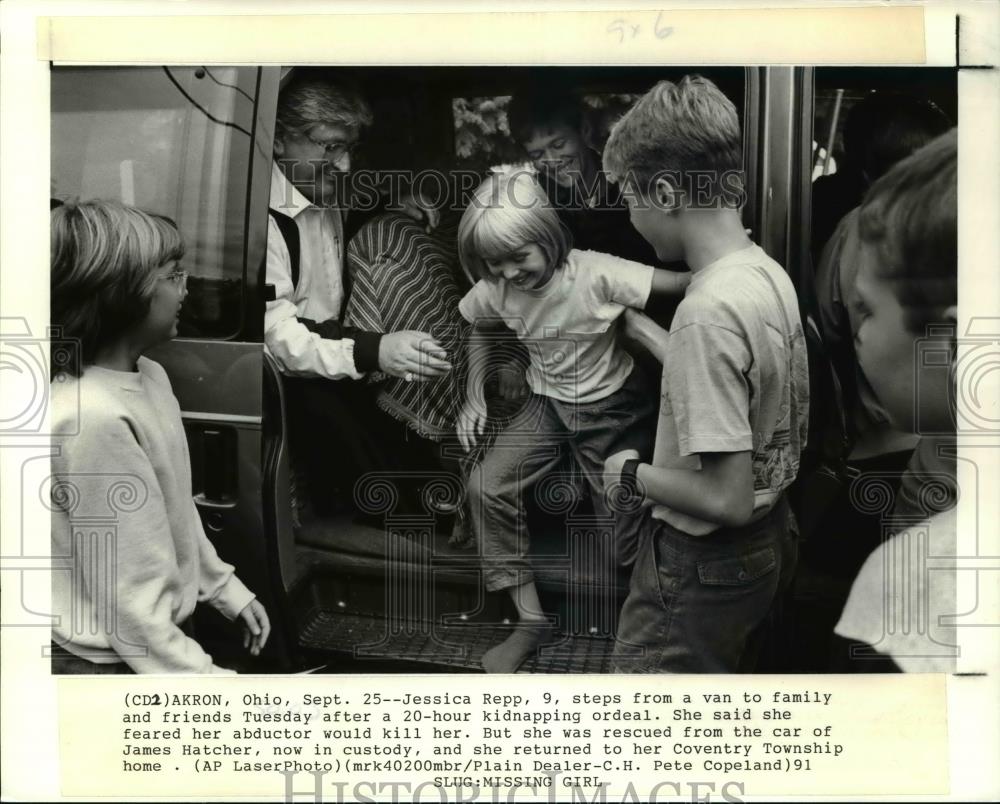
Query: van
x=195, y=143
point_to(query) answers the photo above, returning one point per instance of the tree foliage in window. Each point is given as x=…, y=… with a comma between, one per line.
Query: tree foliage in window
x=482, y=134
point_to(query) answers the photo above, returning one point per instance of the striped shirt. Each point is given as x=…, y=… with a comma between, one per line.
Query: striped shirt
x=404, y=278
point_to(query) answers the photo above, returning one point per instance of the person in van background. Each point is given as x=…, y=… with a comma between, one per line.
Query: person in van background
x=403, y=277
x=881, y=129
x=117, y=290
x=712, y=548
x=893, y=127
x=907, y=282
x=555, y=132
x=338, y=433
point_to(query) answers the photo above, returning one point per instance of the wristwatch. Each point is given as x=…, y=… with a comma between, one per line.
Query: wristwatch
x=628, y=477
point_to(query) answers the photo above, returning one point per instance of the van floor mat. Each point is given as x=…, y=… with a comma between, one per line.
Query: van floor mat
x=443, y=648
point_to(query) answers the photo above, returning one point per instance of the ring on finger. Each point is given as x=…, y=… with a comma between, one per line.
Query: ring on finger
x=408, y=376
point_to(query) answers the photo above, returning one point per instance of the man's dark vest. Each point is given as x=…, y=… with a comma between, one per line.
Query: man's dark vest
x=290, y=234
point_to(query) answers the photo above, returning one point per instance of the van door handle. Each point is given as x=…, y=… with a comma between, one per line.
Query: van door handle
x=218, y=451
x=219, y=505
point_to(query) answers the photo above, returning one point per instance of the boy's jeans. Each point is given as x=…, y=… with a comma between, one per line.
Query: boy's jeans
x=530, y=447
x=703, y=604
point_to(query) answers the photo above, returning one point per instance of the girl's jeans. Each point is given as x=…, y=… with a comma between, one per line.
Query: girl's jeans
x=530, y=447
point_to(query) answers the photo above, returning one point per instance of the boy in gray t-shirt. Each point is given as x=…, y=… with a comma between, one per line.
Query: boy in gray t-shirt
x=710, y=542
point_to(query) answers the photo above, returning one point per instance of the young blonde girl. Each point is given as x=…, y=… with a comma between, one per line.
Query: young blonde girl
x=586, y=392
x=122, y=508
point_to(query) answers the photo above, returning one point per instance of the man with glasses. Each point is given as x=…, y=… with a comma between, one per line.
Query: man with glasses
x=336, y=429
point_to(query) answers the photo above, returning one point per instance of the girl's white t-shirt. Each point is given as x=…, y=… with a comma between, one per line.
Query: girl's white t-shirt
x=569, y=325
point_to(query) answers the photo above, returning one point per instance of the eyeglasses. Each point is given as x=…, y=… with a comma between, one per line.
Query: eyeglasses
x=178, y=278
x=335, y=151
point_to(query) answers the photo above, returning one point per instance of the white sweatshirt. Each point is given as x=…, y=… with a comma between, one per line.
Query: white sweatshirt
x=123, y=512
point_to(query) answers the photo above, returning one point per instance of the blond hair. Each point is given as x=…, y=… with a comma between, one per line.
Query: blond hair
x=104, y=261
x=507, y=211
x=686, y=132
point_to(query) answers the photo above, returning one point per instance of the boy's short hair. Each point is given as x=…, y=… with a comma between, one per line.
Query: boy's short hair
x=508, y=210
x=104, y=261
x=531, y=112
x=687, y=132
x=312, y=101
x=910, y=216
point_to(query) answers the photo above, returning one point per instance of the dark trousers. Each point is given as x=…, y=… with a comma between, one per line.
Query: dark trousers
x=704, y=604
x=832, y=557
x=849, y=533
x=65, y=663
x=339, y=435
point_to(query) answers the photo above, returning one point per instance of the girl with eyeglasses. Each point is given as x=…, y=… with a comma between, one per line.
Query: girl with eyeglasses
x=122, y=505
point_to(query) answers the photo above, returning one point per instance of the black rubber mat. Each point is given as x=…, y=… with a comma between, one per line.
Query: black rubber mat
x=443, y=648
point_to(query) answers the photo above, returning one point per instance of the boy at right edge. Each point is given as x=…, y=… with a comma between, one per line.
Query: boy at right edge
x=711, y=546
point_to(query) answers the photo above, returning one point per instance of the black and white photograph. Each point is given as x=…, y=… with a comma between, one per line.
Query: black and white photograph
x=609, y=369
x=411, y=392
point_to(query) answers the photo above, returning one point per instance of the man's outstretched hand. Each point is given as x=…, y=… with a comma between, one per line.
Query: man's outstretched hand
x=412, y=354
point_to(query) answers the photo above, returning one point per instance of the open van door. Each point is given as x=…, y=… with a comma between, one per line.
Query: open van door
x=400, y=597
x=194, y=144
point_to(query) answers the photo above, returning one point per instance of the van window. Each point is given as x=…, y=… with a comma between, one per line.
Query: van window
x=171, y=140
x=482, y=133
x=481, y=130
x=603, y=112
